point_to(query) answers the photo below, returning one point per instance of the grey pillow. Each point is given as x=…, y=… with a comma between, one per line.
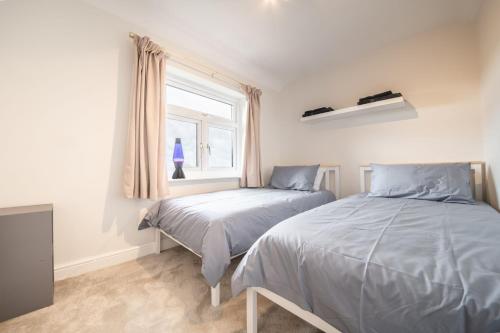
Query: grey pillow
x=294, y=177
x=448, y=182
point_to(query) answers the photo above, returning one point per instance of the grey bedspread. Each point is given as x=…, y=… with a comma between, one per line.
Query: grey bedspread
x=385, y=265
x=222, y=224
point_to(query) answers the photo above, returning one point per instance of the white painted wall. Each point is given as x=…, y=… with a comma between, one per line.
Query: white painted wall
x=438, y=72
x=489, y=39
x=65, y=72
x=64, y=99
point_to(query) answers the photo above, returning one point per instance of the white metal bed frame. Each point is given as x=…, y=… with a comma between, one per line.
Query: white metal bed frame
x=325, y=184
x=477, y=181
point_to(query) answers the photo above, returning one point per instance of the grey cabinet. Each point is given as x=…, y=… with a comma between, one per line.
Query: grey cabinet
x=26, y=260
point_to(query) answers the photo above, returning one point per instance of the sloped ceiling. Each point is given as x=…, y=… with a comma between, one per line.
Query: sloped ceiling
x=274, y=42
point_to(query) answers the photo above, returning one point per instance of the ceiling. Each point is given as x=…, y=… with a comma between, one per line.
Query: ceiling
x=274, y=42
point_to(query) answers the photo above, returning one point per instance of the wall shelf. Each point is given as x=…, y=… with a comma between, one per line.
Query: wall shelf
x=358, y=110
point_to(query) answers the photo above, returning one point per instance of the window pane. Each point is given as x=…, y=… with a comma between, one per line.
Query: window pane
x=221, y=147
x=189, y=100
x=187, y=132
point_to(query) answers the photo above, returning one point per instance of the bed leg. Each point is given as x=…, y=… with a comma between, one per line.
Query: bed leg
x=215, y=295
x=251, y=310
x=157, y=241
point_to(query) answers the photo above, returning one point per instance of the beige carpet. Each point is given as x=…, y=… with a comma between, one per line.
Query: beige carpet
x=157, y=293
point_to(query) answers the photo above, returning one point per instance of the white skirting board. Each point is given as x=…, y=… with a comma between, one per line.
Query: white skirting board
x=90, y=264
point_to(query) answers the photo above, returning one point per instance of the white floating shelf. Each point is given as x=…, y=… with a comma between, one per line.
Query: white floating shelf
x=358, y=110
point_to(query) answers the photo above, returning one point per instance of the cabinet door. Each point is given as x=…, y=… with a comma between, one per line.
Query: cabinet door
x=26, y=263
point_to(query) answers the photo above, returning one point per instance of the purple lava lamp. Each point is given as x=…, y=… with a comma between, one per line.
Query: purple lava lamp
x=178, y=160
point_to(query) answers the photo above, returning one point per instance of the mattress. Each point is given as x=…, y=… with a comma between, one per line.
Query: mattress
x=219, y=225
x=384, y=265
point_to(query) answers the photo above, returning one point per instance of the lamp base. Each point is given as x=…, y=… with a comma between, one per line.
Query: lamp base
x=178, y=173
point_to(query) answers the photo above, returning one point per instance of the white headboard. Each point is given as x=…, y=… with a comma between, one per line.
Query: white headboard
x=477, y=179
x=331, y=179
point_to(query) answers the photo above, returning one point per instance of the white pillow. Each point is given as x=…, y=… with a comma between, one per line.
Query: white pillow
x=319, y=178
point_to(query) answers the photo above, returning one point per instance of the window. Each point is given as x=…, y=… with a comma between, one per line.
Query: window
x=220, y=147
x=208, y=121
x=187, y=131
x=189, y=100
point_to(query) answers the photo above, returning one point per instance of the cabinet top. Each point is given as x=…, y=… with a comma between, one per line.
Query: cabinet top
x=26, y=209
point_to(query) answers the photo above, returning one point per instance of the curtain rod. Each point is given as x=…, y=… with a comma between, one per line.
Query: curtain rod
x=210, y=72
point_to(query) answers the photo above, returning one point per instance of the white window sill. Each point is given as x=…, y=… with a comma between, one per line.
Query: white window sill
x=203, y=180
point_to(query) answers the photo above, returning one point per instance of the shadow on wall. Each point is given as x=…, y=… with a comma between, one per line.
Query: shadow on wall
x=118, y=210
x=491, y=193
x=408, y=112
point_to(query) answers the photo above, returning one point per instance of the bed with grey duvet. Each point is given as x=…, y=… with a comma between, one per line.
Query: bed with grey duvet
x=377, y=264
x=222, y=225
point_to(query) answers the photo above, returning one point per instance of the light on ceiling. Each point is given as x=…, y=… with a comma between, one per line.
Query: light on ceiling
x=272, y=3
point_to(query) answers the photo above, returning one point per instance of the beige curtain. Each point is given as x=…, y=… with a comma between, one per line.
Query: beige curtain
x=251, y=175
x=145, y=174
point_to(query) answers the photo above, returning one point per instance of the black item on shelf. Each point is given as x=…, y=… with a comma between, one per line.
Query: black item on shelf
x=378, y=97
x=383, y=94
x=317, y=111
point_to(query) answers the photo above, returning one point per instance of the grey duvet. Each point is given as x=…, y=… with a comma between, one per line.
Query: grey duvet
x=222, y=224
x=385, y=265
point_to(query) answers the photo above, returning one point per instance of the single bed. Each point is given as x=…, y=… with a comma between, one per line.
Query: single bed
x=220, y=226
x=368, y=264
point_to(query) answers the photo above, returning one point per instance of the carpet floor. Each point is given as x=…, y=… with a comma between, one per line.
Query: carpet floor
x=157, y=293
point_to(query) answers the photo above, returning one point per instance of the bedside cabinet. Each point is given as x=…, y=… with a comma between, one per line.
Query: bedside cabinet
x=26, y=260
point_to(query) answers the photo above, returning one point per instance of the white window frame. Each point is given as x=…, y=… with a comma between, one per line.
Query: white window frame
x=197, y=168
x=205, y=121
x=234, y=131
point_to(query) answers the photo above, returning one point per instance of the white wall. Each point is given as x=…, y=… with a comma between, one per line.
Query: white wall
x=489, y=38
x=438, y=72
x=65, y=71
x=64, y=99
